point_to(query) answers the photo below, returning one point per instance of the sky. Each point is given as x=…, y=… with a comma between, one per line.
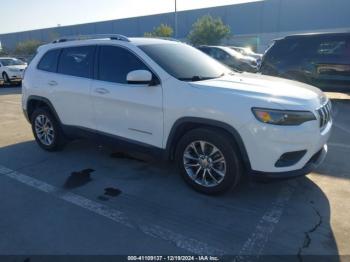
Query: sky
x=22, y=15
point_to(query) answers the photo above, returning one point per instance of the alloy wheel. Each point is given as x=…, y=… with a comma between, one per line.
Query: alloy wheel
x=204, y=163
x=44, y=130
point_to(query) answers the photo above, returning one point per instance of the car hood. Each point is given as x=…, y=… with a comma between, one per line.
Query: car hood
x=280, y=90
x=19, y=67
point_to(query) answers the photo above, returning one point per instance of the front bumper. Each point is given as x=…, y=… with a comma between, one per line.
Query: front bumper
x=15, y=76
x=265, y=144
x=15, y=80
x=313, y=163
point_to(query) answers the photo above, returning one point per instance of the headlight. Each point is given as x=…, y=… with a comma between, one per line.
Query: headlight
x=283, y=117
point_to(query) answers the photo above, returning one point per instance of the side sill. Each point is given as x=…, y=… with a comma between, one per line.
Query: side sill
x=124, y=144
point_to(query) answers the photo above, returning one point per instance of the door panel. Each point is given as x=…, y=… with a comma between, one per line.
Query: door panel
x=71, y=86
x=130, y=111
x=72, y=100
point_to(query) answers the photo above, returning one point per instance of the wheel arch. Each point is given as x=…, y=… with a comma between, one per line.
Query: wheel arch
x=185, y=124
x=34, y=102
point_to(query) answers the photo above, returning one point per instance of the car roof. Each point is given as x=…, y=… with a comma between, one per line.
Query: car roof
x=137, y=41
x=150, y=40
x=318, y=34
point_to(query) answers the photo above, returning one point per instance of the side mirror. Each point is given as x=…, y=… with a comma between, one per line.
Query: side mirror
x=139, y=77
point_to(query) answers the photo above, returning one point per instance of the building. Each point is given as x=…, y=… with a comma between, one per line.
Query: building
x=253, y=24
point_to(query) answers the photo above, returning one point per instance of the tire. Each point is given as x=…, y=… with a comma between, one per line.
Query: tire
x=6, y=78
x=222, y=170
x=55, y=139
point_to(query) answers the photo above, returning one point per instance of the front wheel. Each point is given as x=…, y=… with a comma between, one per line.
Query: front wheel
x=208, y=160
x=6, y=78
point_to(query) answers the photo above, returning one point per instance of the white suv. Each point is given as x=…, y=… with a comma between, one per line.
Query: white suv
x=165, y=97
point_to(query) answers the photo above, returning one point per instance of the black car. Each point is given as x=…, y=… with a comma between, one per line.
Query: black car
x=322, y=60
x=231, y=58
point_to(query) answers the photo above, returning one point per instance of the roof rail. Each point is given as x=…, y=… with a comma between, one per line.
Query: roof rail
x=96, y=36
x=164, y=38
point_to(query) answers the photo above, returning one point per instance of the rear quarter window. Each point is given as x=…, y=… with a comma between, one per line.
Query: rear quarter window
x=49, y=61
x=287, y=52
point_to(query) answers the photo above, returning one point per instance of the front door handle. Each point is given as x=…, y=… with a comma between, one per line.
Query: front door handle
x=101, y=91
x=52, y=83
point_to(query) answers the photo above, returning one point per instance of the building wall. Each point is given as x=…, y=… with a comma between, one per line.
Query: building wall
x=255, y=23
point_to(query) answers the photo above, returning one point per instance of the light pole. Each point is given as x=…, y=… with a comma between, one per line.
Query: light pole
x=175, y=18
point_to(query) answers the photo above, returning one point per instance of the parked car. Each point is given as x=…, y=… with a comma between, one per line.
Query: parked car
x=247, y=52
x=322, y=60
x=170, y=99
x=231, y=58
x=12, y=69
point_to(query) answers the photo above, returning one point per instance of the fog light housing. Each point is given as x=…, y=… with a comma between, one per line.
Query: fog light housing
x=290, y=158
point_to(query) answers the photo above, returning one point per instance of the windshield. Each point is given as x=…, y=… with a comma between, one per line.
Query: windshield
x=11, y=62
x=184, y=62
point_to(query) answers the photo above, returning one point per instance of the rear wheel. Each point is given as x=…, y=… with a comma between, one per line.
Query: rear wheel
x=208, y=161
x=47, y=130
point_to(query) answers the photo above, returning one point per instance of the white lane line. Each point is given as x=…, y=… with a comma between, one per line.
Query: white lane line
x=191, y=245
x=339, y=145
x=255, y=244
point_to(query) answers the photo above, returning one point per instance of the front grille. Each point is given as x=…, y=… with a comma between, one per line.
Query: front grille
x=325, y=114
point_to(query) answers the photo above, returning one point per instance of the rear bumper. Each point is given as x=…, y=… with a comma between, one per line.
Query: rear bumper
x=311, y=165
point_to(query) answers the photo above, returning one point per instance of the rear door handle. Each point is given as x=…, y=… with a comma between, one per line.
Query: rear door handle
x=53, y=83
x=101, y=91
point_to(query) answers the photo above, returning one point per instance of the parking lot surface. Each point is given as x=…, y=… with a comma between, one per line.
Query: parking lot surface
x=90, y=199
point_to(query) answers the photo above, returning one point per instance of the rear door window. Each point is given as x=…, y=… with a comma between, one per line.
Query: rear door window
x=77, y=61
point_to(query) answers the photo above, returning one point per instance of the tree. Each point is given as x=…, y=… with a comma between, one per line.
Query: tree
x=3, y=52
x=28, y=47
x=162, y=30
x=208, y=31
x=53, y=35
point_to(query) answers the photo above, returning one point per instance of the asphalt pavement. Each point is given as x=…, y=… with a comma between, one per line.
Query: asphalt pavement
x=90, y=199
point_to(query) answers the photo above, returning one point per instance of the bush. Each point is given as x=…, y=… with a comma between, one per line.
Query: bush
x=161, y=31
x=28, y=47
x=208, y=31
x=3, y=52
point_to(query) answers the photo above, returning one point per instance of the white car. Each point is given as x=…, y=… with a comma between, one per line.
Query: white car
x=247, y=52
x=12, y=69
x=231, y=58
x=170, y=99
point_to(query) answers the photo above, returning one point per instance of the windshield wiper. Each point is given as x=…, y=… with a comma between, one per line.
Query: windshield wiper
x=236, y=70
x=198, y=78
